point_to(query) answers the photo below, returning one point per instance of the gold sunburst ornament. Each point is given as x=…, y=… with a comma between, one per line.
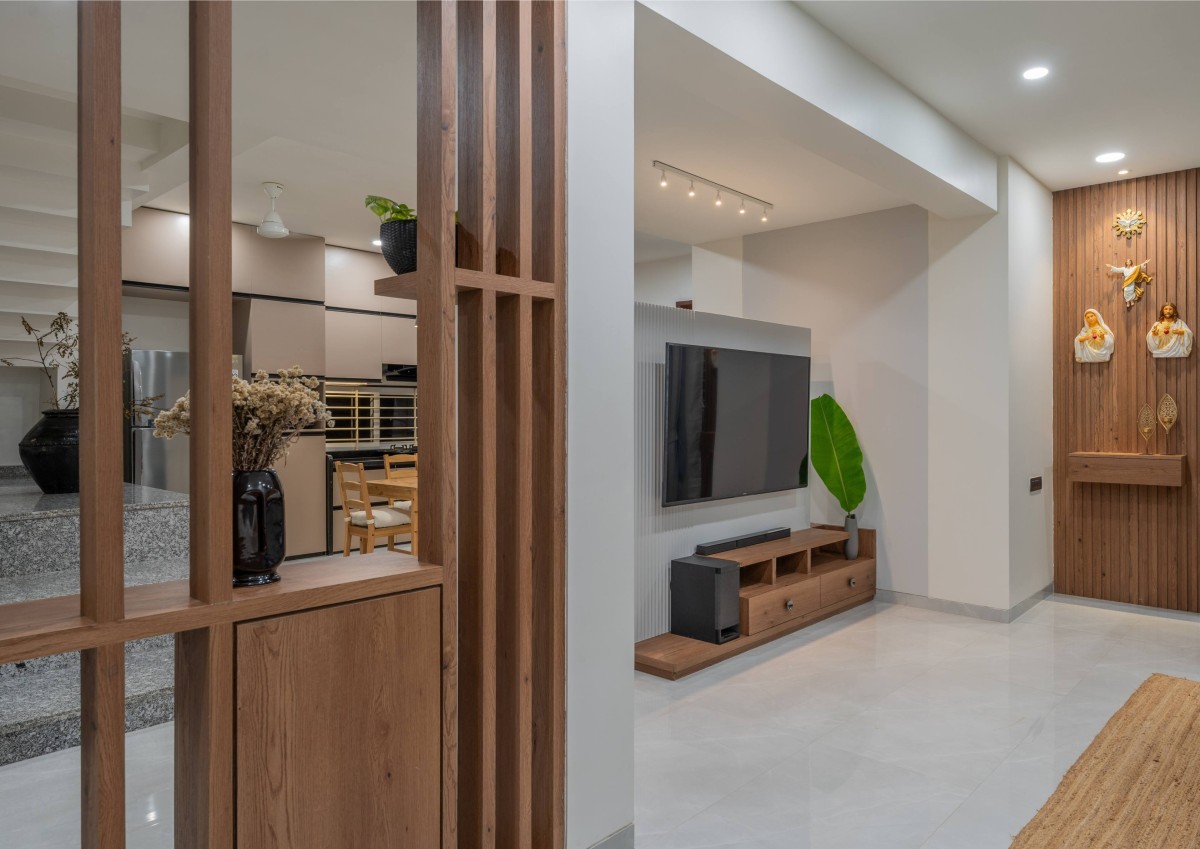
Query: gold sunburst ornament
x=1168, y=412
x=1129, y=223
x=1146, y=424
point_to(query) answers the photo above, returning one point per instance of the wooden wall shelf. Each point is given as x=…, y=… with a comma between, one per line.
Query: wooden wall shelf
x=787, y=584
x=409, y=285
x=1135, y=469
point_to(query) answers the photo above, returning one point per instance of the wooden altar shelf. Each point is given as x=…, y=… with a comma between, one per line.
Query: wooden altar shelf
x=1134, y=469
x=466, y=280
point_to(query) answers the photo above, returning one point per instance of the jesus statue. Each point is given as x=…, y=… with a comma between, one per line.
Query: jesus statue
x=1169, y=337
x=1133, y=275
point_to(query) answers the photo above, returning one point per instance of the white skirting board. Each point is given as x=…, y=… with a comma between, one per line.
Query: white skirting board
x=977, y=611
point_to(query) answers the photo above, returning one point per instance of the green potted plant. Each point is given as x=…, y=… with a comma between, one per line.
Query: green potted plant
x=838, y=460
x=397, y=232
x=50, y=451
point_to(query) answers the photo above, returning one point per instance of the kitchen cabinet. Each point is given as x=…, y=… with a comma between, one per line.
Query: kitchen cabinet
x=282, y=334
x=399, y=340
x=302, y=475
x=155, y=249
x=350, y=277
x=289, y=268
x=353, y=346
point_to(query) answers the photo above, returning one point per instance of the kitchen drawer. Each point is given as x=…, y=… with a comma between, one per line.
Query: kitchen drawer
x=856, y=578
x=773, y=607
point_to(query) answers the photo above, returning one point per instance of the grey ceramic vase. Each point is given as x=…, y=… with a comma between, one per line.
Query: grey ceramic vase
x=852, y=543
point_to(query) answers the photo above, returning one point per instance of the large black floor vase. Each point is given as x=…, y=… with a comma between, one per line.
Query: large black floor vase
x=258, y=528
x=50, y=451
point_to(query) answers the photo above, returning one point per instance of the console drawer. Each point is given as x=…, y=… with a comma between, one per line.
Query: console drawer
x=782, y=604
x=855, y=578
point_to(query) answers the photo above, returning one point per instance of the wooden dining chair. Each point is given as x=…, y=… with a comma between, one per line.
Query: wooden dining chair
x=395, y=466
x=362, y=519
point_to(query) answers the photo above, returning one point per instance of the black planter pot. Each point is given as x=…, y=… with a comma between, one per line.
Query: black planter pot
x=399, y=244
x=50, y=451
x=258, y=531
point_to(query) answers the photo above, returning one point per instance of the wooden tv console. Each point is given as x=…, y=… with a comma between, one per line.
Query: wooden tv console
x=786, y=584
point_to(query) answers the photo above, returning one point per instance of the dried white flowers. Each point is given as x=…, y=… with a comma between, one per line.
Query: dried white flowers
x=268, y=416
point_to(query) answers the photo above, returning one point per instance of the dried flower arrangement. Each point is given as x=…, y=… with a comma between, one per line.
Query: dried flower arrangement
x=58, y=348
x=268, y=416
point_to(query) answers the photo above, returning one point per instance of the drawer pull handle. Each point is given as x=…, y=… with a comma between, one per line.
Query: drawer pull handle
x=854, y=582
x=789, y=604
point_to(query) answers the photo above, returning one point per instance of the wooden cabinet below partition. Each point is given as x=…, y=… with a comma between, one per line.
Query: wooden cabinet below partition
x=339, y=726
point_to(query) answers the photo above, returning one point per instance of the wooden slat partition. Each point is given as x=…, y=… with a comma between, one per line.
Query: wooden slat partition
x=101, y=548
x=204, y=738
x=508, y=138
x=1125, y=543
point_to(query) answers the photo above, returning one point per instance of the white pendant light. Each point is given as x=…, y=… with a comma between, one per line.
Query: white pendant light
x=272, y=225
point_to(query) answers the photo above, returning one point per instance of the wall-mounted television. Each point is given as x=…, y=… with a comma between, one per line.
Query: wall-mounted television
x=736, y=423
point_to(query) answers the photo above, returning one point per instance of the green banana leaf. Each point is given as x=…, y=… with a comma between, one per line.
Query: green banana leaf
x=835, y=453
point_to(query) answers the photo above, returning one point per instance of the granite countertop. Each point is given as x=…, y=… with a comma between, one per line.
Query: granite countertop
x=65, y=582
x=21, y=499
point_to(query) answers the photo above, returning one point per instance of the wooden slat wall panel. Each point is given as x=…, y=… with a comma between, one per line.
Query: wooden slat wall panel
x=508, y=138
x=1133, y=544
x=210, y=293
x=471, y=134
x=477, y=571
x=101, y=572
x=204, y=738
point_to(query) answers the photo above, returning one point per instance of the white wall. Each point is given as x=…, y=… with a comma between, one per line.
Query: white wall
x=664, y=533
x=717, y=277
x=861, y=284
x=1031, y=394
x=600, y=466
x=663, y=281
x=24, y=393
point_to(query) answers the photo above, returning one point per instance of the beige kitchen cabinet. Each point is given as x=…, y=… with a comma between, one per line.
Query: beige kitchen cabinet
x=289, y=268
x=350, y=277
x=353, y=346
x=302, y=474
x=155, y=249
x=280, y=335
x=399, y=340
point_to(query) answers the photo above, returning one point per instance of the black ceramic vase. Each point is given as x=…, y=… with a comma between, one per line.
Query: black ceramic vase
x=258, y=532
x=50, y=451
x=399, y=244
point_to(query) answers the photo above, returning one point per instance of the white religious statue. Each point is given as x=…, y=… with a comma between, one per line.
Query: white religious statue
x=1169, y=337
x=1095, y=341
x=1132, y=276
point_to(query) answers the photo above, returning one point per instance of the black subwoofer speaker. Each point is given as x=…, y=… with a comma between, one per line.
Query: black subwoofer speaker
x=704, y=599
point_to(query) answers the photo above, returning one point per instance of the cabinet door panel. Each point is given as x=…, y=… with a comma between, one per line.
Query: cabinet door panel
x=302, y=474
x=282, y=335
x=353, y=346
x=290, y=268
x=338, y=724
x=399, y=340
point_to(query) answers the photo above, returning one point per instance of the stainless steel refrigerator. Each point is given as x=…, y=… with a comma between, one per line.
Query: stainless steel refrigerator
x=158, y=463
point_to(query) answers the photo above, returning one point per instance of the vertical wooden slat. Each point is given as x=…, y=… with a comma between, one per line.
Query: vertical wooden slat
x=102, y=754
x=508, y=139
x=437, y=471
x=487, y=159
x=101, y=575
x=204, y=738
x=471, y=134
x=525, y=143
x=101, y=570
x=549, y=416
x=514, y=749
x=211, y=293
x=477, y=570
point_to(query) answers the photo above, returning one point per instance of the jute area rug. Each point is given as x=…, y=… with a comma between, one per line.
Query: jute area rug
x=1138, y=784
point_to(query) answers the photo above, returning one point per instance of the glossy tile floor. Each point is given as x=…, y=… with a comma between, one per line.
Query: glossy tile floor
x=890, y=727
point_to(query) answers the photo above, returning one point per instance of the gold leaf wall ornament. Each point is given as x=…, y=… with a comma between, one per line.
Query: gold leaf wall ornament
x=1146, y=424
x=1129, y=223
x=1168, y=412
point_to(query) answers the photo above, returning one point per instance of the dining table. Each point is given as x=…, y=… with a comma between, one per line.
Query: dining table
x=401, y=486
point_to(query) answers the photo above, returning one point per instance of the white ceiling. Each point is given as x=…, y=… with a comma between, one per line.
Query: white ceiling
x=1123, y=76
x=703, y=137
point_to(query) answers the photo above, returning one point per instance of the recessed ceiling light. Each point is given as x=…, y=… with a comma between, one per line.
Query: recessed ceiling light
x=1114, y=156
x=377, y=243
x=1036, y=73
x=1123, y=172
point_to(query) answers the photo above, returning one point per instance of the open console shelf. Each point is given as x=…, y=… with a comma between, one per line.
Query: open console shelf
x=785, y=585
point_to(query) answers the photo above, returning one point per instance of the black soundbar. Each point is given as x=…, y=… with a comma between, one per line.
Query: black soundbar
x=717, y=546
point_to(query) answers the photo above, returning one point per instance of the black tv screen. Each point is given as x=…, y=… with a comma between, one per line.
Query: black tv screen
x=736, y=423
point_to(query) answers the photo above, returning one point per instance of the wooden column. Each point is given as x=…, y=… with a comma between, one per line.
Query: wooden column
x=204, y=738
x=101, y=560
